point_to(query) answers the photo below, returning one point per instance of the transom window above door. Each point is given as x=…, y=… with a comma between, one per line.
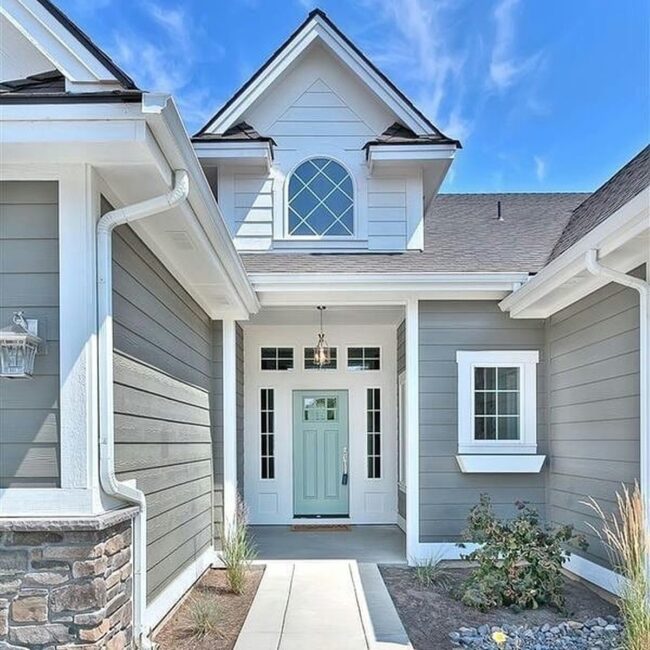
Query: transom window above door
x=321, y=200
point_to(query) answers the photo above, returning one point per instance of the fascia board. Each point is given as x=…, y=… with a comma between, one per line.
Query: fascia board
x=318, y=29
x=55, y=42
x=169, y=131
x=627, y=222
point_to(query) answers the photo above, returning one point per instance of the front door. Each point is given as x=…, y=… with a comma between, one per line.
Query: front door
x=320, y=450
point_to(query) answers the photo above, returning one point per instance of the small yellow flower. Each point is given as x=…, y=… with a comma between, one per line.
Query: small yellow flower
x=499, y=637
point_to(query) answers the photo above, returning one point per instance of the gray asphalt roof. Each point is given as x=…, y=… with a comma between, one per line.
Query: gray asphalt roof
x=618, y=190
x=397, y=133
x=242, y=132
x=461, y=234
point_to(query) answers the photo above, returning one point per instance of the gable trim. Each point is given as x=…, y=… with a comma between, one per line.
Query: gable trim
x=318, y=25
x=62, y=42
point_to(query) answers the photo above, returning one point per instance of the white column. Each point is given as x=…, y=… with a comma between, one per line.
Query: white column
x=229, y=421
x=77, y=320
x=644, y=385
x=412, y=430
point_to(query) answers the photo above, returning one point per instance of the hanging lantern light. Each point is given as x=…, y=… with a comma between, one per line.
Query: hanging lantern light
x=18, y=348
x=322, y=349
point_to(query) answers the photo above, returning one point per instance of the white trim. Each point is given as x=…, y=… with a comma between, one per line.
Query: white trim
x=362, y=347
x=500, y=464
x=277, y=358
x=229, y=347
x=56, y=43
x=46, y=502
x=526, y=361
x=595, y=573
x=241, y=153
x=167, y=599
x=318, y=29
x=401, y=522
x=628, y=222
x=401, y=432
x=412, y=428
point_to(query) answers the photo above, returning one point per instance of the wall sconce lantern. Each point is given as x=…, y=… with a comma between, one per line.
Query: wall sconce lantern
x=19, y=343
x=322, y=349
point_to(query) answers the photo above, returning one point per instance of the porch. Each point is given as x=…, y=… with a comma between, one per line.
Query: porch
x=378, y=544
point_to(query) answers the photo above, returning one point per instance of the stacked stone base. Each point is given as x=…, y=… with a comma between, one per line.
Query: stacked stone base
x=66, y=583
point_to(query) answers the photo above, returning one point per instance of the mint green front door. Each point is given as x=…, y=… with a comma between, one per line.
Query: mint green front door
x=320, y=453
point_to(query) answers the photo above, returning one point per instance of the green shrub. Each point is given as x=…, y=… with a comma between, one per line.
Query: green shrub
x=430, y=572
x=519, y=561
x=237, y=550
x=203, y=616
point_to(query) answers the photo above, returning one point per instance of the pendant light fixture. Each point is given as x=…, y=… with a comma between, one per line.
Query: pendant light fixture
x=322, y=349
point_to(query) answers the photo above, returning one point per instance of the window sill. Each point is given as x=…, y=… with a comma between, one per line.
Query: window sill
x=500, y=464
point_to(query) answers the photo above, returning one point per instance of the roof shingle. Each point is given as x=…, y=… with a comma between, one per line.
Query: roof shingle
x=462, y=233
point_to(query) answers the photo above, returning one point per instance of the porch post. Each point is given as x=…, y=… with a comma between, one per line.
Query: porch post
x=412, y=430
x=229, y=422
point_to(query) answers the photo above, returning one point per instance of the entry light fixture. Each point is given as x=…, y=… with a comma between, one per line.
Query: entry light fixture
x=19, y=343
x=322, y=349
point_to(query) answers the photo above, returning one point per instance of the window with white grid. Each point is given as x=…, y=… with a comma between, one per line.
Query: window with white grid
x=321, y=200
x=267, y=433
x=373, y=435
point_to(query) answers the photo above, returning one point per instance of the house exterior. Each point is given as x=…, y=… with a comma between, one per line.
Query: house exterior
x=488, y=343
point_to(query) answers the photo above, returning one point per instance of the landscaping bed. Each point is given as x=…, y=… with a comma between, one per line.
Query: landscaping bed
x=431, y=614
x=179, y=632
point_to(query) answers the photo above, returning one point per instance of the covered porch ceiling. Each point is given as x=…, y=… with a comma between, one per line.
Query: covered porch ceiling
x=358, y=315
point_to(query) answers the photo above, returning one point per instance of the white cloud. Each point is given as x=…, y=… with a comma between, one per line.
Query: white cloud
x=163, y=57
x=417, y=44
x=540, y=168
x=505, y=66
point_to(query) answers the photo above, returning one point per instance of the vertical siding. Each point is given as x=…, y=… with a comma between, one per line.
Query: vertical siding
x=163, y=369
x=594, y=406
x=401, y=367
x=217, y=424
x=29, y=280
x=240, y=409
x=446, y=494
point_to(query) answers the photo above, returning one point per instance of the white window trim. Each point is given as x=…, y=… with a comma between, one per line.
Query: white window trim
x=402, y=452
x=526, y=361
x=277, y=347
x=363, y=347
x=380, y=432
x=330, y=367
x=259, y=439
x=321, y=238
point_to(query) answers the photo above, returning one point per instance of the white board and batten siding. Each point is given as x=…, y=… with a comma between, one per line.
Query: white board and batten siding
x=320, y=109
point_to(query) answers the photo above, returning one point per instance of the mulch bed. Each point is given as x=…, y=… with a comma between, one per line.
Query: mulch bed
x=175, y=633
x=430, y=614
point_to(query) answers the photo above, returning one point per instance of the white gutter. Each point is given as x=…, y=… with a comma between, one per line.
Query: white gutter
x=643, y=287
x=109, y=482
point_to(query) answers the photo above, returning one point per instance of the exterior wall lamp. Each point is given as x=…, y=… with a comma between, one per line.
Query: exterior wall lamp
x=19, y=344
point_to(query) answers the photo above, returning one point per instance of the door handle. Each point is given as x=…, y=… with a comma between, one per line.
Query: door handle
x=344, y=478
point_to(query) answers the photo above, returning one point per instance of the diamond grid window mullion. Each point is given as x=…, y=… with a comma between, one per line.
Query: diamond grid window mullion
x=326, y=215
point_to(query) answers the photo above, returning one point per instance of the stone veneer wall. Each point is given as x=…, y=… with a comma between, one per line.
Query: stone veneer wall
x=66, y=583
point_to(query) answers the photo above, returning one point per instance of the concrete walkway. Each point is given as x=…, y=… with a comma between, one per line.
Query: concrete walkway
x=322, y=605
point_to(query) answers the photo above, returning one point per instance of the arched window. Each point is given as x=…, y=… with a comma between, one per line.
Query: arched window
x=321, y=200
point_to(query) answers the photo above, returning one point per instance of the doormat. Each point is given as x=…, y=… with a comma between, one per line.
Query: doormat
x=321, y=528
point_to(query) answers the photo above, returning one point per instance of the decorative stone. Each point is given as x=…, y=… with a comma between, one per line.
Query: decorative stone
x=83, y=569
x=9, y=585
x=36, y=635
x=90, y=618
x=36, y=538
x=95, y=633
x=44, y=578
x=78, y=597
x=12, y=561
x=120, y=559
x=4, y=617
x=29, y=609
x=72, y=552
x=118, y=642
x=114, y=545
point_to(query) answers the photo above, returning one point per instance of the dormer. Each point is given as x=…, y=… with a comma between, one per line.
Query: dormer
x=319, y=151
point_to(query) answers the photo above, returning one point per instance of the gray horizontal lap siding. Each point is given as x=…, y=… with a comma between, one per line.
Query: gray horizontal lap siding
x=594, y=406
x=163, y=423
x=446, y=494
x=29, y=280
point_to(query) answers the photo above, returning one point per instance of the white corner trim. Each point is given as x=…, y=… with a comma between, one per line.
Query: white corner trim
x=596, y=574
x=526, y=361
x=500, y=463
x=229, y=348
x=412, y=427
x=165, y=601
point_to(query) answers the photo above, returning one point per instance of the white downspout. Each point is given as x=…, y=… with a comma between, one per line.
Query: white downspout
x=643, y=287
x=109, y=482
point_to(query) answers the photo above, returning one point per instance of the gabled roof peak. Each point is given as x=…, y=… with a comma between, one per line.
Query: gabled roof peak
x=319, y=26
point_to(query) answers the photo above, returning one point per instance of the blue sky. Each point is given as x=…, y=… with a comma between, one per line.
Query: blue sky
x=545, y=94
